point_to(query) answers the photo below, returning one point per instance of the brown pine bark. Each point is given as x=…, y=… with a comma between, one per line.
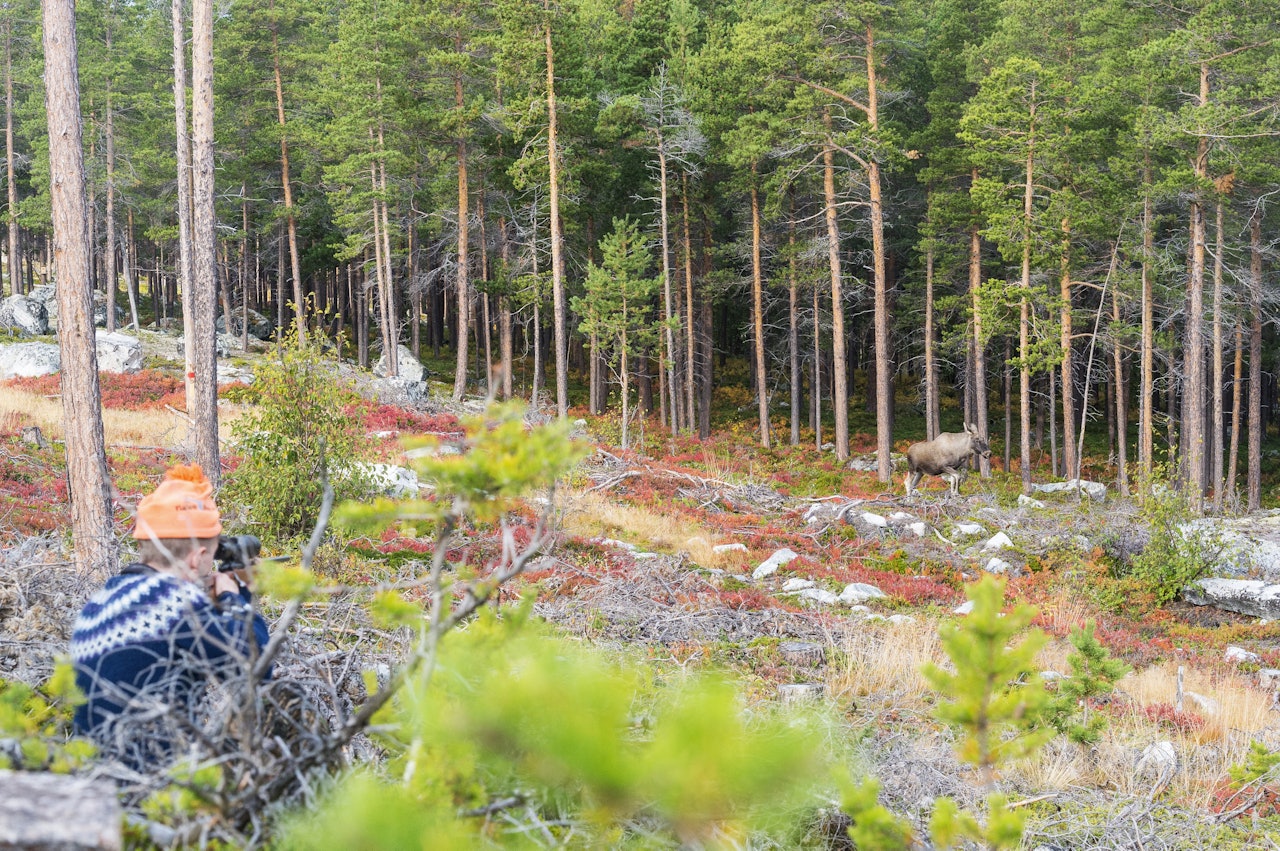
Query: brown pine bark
x=464, y=222
x=183, y=157
x=1216, y=441
x=15, y=258
x=931, y=424
x=884, y=355
x=559, y=305
x=204, y=283
x=291, y=221
x=1146, y=382
x=1024, y=310
x=757, y=315
x=691, y=407
x=1254, y=482
x=1193, y=408
x=88, y=483
x=981, y=417
x=1070, y=464
x=1122, y=401
x=793, y=320
x=840, y=396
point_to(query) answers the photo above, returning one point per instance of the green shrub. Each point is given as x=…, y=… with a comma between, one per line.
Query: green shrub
x=1178, y=551
x=296, y=435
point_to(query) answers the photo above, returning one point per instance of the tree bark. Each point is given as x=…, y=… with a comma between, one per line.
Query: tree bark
x=15, y=258
x=840, y=396
x=89, y=486
x=1146, y=391
x=931, y=424
x=183, y=154
x=1070, y=463
x=757, y=315
x=464, y=223
x=981, y=417
x=884, y=356
x=1255, y=360
x=204, y=284
x=1193, y=449
x=557, y=249
x=1024, y=311
x=291, y=221
x=1215, y=410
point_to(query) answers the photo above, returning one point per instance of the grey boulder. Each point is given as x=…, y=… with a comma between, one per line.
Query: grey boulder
x=25, y=315
x=118, y=353
x=1246, y=596
x=29, y=360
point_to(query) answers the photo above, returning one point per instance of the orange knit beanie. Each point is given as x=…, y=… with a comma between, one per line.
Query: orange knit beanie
x=181, y=507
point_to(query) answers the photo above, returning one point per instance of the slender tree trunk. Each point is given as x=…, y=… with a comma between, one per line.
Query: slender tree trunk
x=1146, y=391
x=557, y=249
x=1024, y=310
x=981, y=417
x=291, y=222
x=840, y=397
x=1237, y=386
x=691, y=412
x=130, y=275
x=1070, y=464
x=793, y=320
x=89, y=486
x=668, y=301
x=1255, y=360
x=464, y=224
x=183, y=151
x=1008, y=403
x=110, y=285
x=15, y=257
x=1216, y=409
x=1193, y=408
x=1122, y=401
x=884, y=355
x=757, y=315
x=815, y=389
x=931, y=424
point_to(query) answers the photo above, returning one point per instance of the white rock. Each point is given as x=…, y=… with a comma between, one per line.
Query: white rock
x=964, y=608
x=770, y=565
x=1239, y=654
x=860, y=592
x=1247, y=596
x=874, y=520
x=1029, y=501
x=795, y=583
x=901, y=619
x=643, y=556
x=1158, y=762
x=1269, y=678
x=874, y=617
x=920, y=528
x=901, y=518
x=819, y=595
x=997, y=565
x=998, y=541
x=391, y=480
x=408, y=367
x=29, y=360
x=1052, y=676
x=25, y=314
x=399, y=391
x=621, y=545
x=969, y=529
x=118, y=353
x=729, y=548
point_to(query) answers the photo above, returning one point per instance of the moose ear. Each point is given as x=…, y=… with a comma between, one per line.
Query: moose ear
x=971, y=428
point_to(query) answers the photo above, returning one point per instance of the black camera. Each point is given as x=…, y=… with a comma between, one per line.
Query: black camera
x=236, y=552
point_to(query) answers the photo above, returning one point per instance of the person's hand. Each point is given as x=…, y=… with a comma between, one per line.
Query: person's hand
x=222, y=583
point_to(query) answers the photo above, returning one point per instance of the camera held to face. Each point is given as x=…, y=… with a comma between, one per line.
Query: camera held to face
x=236, y=552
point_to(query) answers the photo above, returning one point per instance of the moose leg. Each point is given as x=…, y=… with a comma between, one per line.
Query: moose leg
x=913, y=479
x=952, y=475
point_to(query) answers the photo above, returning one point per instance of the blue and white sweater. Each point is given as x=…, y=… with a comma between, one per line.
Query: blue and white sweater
x=146, y=642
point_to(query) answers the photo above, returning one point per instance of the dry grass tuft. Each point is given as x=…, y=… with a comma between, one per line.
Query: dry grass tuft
x=880, y=669
x=120, y=427
x=592, y=515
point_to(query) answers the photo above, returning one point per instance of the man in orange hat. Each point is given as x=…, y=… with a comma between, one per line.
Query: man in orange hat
x=155, y=634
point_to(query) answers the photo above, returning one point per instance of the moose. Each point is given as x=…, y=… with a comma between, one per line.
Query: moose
x=947, y=455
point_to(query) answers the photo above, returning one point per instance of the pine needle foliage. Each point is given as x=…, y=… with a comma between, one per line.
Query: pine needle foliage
x=1094, y=673
x=995, y=700
x=297, y=436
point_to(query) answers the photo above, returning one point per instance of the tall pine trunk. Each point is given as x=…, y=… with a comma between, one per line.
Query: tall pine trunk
x=757, y=315
x=291, y=221
x=840, y=384
x=89, y=486
x=204, y=414
x=558, y=300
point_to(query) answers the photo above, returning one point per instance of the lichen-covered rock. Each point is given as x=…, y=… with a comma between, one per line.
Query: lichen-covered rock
x=118, y=353
x=29, y=360
x=25, y=315
x=1246, y=596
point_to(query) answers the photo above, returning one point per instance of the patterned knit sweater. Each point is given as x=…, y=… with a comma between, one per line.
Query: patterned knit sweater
x=146, y=642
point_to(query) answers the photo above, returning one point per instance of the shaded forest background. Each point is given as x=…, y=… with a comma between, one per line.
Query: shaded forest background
x=1057, y=211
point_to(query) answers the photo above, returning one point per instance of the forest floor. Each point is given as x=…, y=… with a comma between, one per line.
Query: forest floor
x=658, y=547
